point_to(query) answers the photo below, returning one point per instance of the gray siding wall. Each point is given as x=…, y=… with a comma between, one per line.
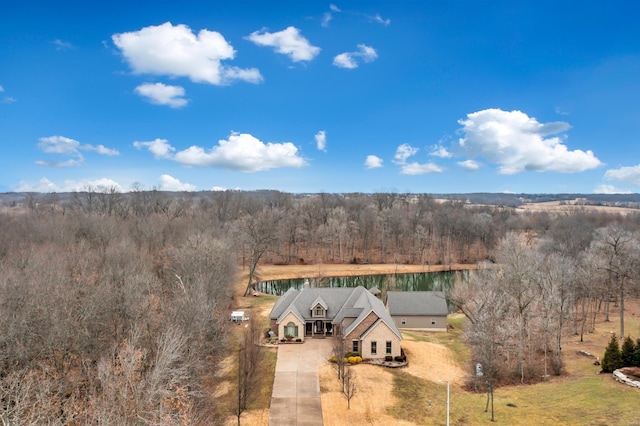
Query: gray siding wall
x=421, y=321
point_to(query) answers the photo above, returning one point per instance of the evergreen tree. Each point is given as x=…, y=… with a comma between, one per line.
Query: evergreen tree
x=612, y=359
x=636, y=354
x=627, y=353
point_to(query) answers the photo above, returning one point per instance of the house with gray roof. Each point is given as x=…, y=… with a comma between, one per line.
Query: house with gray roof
x=419, y=310
x=353, y=314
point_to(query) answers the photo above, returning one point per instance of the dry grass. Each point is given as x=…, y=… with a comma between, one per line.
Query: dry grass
x=413, y=396
x=375, y=391
x=573, y=205
x=279, y=272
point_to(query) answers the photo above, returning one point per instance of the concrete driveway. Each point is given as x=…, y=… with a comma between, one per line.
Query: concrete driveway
x=296, y=390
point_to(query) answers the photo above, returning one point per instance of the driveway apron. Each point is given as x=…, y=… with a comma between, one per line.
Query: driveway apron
x=296, y=389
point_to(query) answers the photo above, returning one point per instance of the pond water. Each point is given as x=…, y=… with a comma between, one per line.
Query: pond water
x=424, y=281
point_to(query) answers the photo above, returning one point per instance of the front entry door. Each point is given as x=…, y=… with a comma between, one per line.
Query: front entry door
x=319, y=327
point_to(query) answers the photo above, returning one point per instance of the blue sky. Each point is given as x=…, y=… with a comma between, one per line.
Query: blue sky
x=307, y=96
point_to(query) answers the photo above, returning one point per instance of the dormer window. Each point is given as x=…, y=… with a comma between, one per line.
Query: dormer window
x=318, y=311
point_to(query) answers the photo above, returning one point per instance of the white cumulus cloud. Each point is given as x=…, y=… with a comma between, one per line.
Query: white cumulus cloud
x=160, y=148
x=169, y=183
x=630, y=174
x=287, y=42
x=243, y=152
x=162, y=94
x=61, y=145
x=403, y=153
x=350, y=59
x=175, y=50
x=517, y=143
x=321, y=140
x=373, y=162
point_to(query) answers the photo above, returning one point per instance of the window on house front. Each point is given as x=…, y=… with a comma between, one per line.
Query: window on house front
x=355, y=346
x=389, y=348
x=319, y=311
x=433, y=321
x=291, y=330
x=374, y=348
x=403, y=321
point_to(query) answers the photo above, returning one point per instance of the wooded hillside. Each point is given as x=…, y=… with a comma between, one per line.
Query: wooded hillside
x=115, y=306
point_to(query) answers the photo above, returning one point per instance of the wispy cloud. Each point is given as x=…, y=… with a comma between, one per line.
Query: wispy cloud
x=350, y=59
x=469, y=165
x=162, y=94
x=379, y=19
x=518, y=143
x=406, y=151
x=610, y=189
x=328, y=16
x=178, y=52
x=440, y=151
x=321, y=140
x=62, y=45
x=47, y=186
x=287, y=42
x=6, y=99
x=60, y=145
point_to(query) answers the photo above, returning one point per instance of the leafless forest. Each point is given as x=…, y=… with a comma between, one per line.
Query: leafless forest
x=114, y=306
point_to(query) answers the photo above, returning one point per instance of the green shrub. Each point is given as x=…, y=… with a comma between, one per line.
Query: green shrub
x=333, y=359
x=401, y=358
x=298, y=340
x=388, y=358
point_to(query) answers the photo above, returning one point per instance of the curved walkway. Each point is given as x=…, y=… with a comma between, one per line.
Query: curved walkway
x=296, y=389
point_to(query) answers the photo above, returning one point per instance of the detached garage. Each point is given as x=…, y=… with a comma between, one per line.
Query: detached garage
x=418, y=310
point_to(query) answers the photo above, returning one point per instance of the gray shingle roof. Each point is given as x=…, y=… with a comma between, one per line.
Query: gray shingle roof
x=356, y=302
x=417, y=303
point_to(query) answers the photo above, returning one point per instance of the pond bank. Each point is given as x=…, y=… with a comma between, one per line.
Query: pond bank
x=281, y=272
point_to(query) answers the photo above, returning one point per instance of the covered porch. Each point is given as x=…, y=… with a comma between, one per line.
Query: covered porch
x=320, y=328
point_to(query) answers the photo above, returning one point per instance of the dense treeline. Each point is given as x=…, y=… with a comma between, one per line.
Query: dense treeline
x=115, y=305
x=110, y=320
x=544, y=287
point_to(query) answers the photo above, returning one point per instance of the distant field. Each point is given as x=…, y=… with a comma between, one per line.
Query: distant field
x=568, y=206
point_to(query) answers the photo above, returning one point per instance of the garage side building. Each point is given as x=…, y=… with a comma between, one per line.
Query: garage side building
x=418, y=310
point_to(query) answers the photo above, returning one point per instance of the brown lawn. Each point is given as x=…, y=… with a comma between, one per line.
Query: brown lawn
x=428, y=360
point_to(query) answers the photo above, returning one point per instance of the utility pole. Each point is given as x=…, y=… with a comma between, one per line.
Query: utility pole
x=448, y=385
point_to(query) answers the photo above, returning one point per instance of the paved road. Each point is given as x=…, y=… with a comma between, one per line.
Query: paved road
x=296, y=390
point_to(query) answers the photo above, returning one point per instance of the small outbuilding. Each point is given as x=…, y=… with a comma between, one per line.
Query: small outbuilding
x=418, y=310
x=238, y=316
